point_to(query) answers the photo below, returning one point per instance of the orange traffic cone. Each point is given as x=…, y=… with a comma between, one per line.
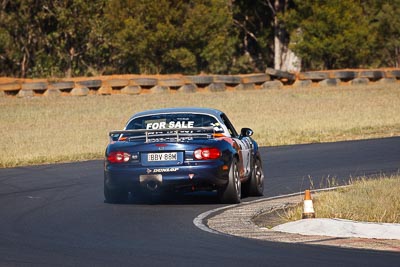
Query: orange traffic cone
x=308, y=211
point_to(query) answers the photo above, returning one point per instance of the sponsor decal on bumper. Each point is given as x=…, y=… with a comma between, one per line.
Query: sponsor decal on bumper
x=161, y=170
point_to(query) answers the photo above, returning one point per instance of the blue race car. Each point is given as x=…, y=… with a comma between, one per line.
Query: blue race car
x=182, y=150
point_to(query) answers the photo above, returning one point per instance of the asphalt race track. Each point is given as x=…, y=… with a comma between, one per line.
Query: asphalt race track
x=55, y=215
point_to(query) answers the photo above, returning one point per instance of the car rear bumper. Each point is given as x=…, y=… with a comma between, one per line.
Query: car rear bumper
x=177, y=178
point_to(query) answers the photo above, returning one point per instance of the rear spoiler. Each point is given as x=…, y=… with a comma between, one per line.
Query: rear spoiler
x=174, y=133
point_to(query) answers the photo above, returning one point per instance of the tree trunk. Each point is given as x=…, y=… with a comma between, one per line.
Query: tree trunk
x=277, y=41
x=284, y=58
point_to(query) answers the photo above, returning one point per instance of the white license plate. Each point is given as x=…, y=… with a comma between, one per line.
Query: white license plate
x=162, y=156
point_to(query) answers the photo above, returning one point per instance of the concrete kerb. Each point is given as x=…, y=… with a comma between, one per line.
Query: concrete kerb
x=237, y=220
x=203, y=220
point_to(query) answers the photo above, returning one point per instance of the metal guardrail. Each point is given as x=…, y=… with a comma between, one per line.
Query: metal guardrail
x=140, y=84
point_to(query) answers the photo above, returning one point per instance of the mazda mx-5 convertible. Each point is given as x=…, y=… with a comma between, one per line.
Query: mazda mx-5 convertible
x=182, y=150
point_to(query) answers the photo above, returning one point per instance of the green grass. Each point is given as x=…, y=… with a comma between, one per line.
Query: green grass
x=372, y=200
x=44, y=130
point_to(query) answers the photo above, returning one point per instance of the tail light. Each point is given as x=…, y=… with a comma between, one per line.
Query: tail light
x=207, y=153
x=118, y=157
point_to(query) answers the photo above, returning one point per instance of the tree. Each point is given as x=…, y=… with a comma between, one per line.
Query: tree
x=170, y=36
x=208, y=33
x=253, y=20
x=19, y=38
x=263, y=36
x=48, y=38
x=76, y=39
x=64, y=38
x=284, y=58
x=330, y=34
x=385, y=20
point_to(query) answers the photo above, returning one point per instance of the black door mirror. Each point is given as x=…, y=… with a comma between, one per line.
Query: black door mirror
x=245, y=132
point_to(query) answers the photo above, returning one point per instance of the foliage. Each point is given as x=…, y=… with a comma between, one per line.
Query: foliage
x=387, y=26
x=171, y=36
x=63, y=38
x=346, y=34
x=330, y=34
x=253, y=21
x=48, y=38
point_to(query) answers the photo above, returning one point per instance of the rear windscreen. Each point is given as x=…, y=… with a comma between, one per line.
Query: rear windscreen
x=167, y=121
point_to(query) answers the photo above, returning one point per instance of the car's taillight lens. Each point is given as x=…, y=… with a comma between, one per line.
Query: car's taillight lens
x=207, y=153
x=118, y=157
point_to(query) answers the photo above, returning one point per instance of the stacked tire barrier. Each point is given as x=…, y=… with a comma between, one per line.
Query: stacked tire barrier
x=141, y=84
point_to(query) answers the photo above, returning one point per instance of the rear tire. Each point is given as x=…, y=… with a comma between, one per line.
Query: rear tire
x=256, y=183
x=231, y=194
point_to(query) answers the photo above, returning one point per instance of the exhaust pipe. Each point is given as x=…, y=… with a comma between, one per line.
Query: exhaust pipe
x=152, y=185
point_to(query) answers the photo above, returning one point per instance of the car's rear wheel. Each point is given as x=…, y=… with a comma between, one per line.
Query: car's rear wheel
x=232, y=192
x=256, y=183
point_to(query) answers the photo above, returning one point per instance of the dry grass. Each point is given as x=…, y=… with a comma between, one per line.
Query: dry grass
x=376, y=200
x=41, y=130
